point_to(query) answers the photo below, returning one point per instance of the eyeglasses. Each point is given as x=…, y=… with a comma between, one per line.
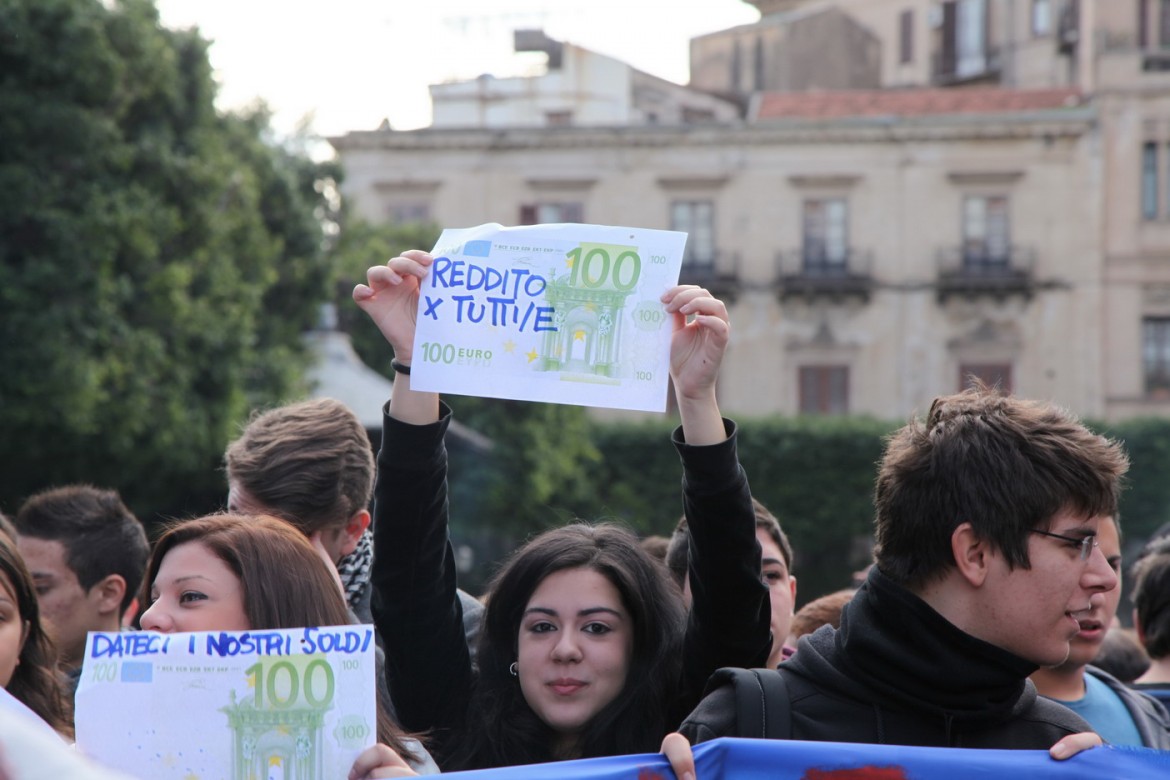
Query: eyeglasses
x=1086, y=543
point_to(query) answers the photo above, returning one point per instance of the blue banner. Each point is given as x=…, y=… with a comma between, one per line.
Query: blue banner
x=758, y=759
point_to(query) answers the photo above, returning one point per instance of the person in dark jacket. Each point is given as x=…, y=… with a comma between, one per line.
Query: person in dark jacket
x=986, y=556
x=585, y=650
x=1120, y=715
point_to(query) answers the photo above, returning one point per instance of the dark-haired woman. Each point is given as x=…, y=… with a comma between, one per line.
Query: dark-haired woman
x=585, y=650
x=28, y=661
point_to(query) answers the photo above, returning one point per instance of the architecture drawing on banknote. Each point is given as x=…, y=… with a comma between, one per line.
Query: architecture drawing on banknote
x=276, y=743
x=588, y=304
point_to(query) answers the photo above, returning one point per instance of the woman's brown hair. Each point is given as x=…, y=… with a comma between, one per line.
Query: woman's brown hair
x=35, y=681
x=285, y=582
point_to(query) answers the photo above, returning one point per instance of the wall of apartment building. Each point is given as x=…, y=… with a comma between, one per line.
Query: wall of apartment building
x=1025, y=54
x=904, y=186
x=1136, y=240
x=819, y=49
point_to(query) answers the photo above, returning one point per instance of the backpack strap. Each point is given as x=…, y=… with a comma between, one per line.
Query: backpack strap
x=762, y=707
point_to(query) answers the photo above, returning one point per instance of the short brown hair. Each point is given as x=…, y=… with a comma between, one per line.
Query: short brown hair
x=99, y=534
x=824, y=611
x=1003, y=464
x=309, y=463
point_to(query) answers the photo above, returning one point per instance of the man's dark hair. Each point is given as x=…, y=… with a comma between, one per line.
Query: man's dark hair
x=100, y=535
x=676, y=551
x=309, y=463
x=1002, y=464
x=1151, y=596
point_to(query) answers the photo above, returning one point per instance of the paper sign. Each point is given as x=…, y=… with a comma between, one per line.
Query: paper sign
x=768, y=759
x=565, y=314
x=293, y=704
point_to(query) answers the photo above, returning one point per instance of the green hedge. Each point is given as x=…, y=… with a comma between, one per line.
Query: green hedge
x=816, y=475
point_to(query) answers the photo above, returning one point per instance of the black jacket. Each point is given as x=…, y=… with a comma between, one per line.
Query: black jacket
x=421, y=620
x=897, y=672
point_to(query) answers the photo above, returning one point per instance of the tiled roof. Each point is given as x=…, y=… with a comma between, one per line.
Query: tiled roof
x=910, y=102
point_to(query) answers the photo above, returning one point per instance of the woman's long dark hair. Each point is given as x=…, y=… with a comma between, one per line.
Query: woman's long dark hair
x=285, y=582
x=502, y=729
x=35, y=681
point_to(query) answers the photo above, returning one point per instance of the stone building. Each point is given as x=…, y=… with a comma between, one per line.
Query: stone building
x=915, y=192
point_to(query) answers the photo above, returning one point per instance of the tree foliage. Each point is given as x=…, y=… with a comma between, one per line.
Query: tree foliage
x=158, y=260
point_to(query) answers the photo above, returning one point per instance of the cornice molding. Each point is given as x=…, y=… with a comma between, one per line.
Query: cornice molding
x=1067, y=123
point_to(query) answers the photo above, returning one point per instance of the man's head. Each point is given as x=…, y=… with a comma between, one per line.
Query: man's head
x=87, y=553
x=1151, y=598
x=1095, y=625
x=984, y=507
x=310, y=464
x=775, y=570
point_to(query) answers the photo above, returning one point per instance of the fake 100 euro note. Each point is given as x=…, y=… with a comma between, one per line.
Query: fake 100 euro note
x=557, y=313
x=294, y=704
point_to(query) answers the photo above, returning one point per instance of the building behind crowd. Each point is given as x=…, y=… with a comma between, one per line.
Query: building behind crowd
x=892, y=195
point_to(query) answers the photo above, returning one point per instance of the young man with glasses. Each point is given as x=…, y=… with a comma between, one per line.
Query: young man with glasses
x=986, y=560
x=1120, y=715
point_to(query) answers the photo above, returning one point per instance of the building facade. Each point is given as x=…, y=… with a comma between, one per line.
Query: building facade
x=974, y=188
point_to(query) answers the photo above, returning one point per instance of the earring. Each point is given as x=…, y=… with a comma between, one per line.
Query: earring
x=512, y=670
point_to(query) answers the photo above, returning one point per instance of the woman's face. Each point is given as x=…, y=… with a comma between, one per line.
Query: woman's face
x=13, y=631
x=575, y=643
x=195, y=591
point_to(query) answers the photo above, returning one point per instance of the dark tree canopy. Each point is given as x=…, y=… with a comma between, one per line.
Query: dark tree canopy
x=159, y=260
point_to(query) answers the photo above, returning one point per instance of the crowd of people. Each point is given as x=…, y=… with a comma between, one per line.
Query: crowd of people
x=994, y=588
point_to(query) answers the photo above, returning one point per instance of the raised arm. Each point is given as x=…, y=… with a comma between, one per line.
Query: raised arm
x=729, y=621
x=696, y=353
x=390, y=297
x=415, y=605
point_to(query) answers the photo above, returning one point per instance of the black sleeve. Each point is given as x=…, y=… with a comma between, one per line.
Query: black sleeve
x=415, y=605
x=729, y=623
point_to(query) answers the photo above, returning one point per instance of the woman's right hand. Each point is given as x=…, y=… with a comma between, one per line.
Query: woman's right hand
x=390, y=297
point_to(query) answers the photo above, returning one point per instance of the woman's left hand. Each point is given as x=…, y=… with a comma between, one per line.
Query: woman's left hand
x=696, y=347
x=380, y=761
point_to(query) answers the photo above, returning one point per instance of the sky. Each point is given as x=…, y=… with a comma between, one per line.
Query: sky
x=350, y=64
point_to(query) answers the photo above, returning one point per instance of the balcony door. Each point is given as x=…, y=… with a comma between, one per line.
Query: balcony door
x=986, y=233
x=825, y=237
x=697, y=219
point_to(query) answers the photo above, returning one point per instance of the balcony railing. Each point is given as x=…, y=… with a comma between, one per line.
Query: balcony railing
x=1156, y=60
x=818, y=275
x=979, y=272
x=717, y=271
x=948, y=68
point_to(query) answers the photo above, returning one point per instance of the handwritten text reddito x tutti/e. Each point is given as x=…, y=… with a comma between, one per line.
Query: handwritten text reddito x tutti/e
x=509, y=298
x=226, y=644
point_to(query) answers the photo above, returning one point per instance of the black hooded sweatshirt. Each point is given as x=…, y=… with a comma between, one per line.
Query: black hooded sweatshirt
x=899, y=673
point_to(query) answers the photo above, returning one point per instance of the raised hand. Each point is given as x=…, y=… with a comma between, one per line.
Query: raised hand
x=390, y=297
x=697, y=346
x=696, y=352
